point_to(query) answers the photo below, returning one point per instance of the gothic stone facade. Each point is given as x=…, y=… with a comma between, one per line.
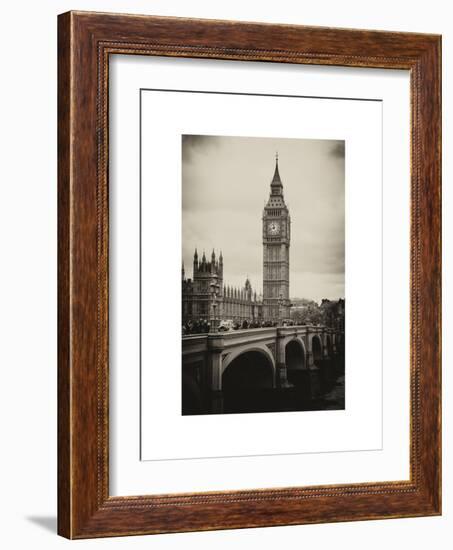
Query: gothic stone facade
x=205, y=296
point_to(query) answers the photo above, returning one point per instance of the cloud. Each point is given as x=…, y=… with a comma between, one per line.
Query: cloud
x=338, y=149
x=193, y=144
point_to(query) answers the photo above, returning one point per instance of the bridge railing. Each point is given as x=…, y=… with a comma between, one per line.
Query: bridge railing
x=301, y=329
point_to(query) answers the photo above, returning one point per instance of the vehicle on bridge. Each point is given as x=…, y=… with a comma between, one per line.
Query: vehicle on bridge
x=226, y=325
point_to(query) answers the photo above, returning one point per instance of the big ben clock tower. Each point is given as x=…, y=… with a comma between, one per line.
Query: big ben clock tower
x=276, y=240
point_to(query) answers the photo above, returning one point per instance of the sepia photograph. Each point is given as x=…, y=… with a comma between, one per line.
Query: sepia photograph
x=263, y=274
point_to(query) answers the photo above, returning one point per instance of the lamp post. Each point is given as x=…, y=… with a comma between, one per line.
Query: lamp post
x=280, y=304
x=215, y=287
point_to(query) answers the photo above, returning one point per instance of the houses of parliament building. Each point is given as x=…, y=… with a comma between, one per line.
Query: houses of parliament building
x=206, y=296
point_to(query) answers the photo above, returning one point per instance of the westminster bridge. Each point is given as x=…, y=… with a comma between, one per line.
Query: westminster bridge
x=226, y=371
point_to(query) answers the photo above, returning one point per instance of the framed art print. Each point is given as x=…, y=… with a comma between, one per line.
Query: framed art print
x=249, y=275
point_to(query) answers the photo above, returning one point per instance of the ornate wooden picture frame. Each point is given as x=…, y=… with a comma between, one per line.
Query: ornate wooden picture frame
x=85, y=42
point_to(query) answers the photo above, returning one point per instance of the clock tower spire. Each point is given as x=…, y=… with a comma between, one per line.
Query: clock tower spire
x=276, y=241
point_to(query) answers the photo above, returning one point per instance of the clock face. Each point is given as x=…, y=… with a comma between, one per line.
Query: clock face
x=274, y=228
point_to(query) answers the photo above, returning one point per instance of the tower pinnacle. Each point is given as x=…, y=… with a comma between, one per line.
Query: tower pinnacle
x=195, y=261
x=276, y=184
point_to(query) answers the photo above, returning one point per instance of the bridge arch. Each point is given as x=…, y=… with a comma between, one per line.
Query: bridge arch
x=296, y=361
x=247, y=377
x=263, y=350
x=295, y=355
x=316, y=348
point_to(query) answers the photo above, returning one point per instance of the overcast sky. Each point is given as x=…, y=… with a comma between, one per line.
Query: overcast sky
x=225, y=185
